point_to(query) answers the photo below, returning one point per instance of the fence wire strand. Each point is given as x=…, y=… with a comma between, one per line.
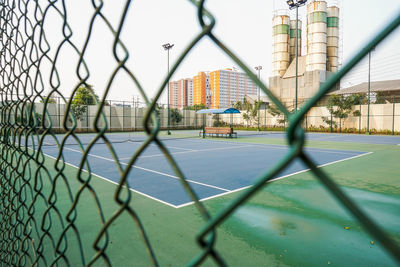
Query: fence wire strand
x=34, y=230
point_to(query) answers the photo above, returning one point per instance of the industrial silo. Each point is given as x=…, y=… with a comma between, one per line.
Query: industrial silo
x=292, y=40
x=280, y=61
x=332, y=39
x=316, y=35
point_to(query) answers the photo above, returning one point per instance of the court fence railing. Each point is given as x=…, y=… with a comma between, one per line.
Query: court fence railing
x=125, y=116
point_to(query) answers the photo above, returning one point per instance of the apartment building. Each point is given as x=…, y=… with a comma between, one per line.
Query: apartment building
x=228, y=86
x=216, y=89
x=189, y=91
x=178, y=93
x=201, y=88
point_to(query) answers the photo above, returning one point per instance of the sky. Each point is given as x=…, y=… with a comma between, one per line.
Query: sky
x=244, y=26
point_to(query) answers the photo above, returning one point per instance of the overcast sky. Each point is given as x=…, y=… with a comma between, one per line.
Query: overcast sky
x=244, y=26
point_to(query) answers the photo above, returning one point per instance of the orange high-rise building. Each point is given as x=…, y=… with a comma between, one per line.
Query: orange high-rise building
x=200, y=88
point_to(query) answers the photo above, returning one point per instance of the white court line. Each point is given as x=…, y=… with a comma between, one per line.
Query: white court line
x=203, y=199
x=149, y=170
x=200, y=150
x=175, y=147
x=181, y=148
x=272, y=180
x=334, y=151
x=111, y=181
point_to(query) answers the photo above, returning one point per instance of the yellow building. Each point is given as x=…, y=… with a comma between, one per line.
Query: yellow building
x=214, y=86
x=199, y=88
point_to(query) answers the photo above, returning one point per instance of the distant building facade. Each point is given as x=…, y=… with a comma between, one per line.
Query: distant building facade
x=201, y=85
x=228, y=86
x=217, y=89
x=314, y=65
x=189, y=91
x=178, y=93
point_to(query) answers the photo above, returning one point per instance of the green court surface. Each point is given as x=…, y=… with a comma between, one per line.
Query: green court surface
x=291, y=222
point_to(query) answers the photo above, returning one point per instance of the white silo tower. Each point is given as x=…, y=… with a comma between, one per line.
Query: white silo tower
x=316, y=35
x=280, y=61
x=292, y=40
x=332, y=39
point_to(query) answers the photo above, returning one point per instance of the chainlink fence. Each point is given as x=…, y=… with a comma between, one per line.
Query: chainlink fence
x=34, y=228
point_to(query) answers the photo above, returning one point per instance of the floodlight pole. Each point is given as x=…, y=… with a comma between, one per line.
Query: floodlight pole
x=296, y=4
x=167, y=47
x=258, y=68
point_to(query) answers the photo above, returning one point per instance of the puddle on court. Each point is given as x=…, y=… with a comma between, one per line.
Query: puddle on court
x=316, y=229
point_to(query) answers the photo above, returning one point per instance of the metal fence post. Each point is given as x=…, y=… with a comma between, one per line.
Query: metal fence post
x=265, y=115
x=284, y=122
x=123, y=115
x=359, y=120
x=87, y=118
x=59, y=113
x=394, y=105
x=306, y=123
x=110, y=116
x=331, y=123
x=136, y=110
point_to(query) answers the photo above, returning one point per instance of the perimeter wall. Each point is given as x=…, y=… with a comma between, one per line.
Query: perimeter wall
x=383, y=117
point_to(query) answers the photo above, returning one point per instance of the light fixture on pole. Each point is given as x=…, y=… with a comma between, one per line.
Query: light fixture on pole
x=258, y=68
x=167, y=47
x=296, y=4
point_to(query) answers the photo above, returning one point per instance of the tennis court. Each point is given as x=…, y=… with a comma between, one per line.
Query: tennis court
x=293, y=210
x=212, y=167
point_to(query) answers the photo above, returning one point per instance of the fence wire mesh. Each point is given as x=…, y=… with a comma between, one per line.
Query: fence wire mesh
x=34, y=228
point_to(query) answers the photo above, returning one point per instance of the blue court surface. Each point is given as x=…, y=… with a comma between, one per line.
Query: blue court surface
x=331, y=137
x=212, y=167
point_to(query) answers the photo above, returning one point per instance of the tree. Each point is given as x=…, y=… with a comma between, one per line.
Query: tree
x=27, y=116
x=195, y=107
x=176, y=116
x=250, y=110
x=341, y=107
x=50, y=100
x=276, y=112
x=238, y=105
x=84, y=96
